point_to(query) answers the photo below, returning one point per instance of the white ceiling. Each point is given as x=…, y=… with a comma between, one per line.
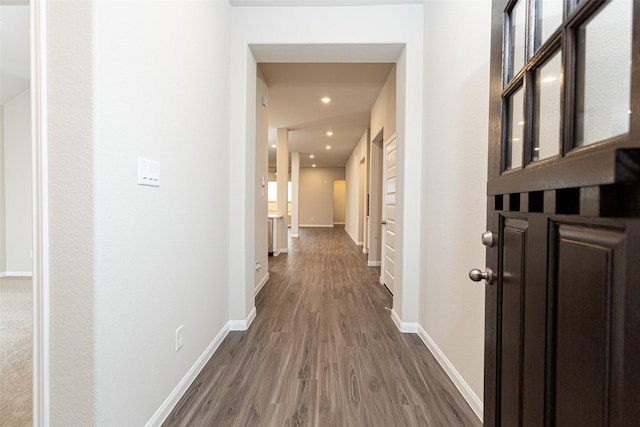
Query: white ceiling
x=294, y=103
x=14, y=51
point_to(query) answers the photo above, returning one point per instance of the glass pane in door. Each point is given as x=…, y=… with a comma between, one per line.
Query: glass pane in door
x=515, y=139
x=546, y=142
x=517, y=19
x=603, y=77
x=548, y=19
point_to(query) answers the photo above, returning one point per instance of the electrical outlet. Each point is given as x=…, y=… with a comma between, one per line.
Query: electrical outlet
x=179, y=338
x=258, y=265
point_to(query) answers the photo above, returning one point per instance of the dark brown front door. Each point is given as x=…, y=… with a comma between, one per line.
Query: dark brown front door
x=563, y=312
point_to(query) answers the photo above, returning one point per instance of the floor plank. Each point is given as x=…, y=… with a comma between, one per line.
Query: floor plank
x=322, y=351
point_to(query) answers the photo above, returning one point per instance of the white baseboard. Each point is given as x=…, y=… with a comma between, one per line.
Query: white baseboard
x=16, y=274
x=169, y=404
x=374, y=264
x=243, y=325
x=472, y=399
x=404, y=327
x=295, y=235
x=261, y=283
x=364, y=250
x=284, y=251
x=316, y=225
x=338, y=223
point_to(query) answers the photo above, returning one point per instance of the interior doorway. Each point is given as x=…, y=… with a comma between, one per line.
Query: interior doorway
x=339, y=200
x=16, y=219
x=408, y=126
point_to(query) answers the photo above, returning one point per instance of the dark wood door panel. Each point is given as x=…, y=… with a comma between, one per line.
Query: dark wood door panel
x=513, y=273
x=589, y=280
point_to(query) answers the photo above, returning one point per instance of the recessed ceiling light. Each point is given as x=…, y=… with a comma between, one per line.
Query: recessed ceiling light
x=311, y=156
x=326, y=99
x=273, y=145
x=328, y=147
x=313, y=165
x=329, y=133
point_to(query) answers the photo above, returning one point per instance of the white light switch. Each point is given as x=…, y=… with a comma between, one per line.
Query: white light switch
x=148, y=172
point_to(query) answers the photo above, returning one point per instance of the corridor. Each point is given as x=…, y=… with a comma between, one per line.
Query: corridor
x=322, y=351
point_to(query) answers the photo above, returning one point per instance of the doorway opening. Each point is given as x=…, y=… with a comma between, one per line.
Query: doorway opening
x=308, y=141
x=16, y=219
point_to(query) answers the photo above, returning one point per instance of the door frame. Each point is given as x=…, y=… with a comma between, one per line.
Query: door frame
x=408, y=68
x=38, y=55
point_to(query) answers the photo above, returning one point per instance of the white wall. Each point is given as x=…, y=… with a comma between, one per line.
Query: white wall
x=454, y=182
x=383, y=112
x=17, y=188
x=383, y=126
x=316, y=196
x=129, y=264
x=352, y=176
x=262, y=171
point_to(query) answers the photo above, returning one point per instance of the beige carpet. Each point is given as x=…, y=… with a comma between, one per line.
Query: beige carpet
x=16, y=344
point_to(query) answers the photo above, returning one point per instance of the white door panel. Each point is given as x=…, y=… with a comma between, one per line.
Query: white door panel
x=389, y=215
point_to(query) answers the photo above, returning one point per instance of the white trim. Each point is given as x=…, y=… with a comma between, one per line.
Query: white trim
x=283, y=251
x=243, y=325
x=40, y=209
x=375, y=264
x=16, y=274
x=404, y=327
x=261, y=283
x=295, y=235
x=169, y=404
x=338, y=223
x=316, y=225
x=472, y=399
x=364, y=250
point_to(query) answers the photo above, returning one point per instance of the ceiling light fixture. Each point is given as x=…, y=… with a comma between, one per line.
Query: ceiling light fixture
x=273, y=145
x=328, y=147
x=311, y=156
x=326, y=99
x=313, y=165
x=329, y=133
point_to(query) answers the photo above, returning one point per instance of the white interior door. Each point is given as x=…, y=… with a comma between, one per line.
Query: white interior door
x=389, y=215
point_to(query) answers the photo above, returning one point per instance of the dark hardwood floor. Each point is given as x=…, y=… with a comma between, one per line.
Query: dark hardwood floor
x=322, y=351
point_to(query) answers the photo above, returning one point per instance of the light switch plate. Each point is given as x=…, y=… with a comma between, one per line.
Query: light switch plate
x=148, y=172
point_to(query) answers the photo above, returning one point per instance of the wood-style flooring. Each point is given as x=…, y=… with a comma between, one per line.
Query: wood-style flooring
x=322, y=351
